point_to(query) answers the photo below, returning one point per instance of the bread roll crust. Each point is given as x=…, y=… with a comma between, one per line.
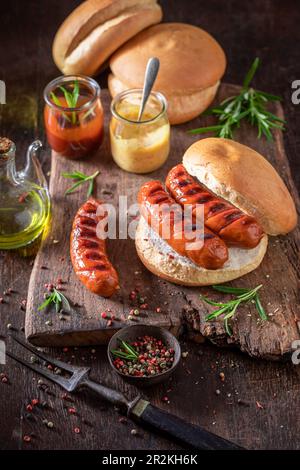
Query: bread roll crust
x=163, y=261
x=245, y=178
x=96, y=28
x=190, y=59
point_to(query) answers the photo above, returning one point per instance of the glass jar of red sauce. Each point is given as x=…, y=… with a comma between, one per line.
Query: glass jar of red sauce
x=73, y=116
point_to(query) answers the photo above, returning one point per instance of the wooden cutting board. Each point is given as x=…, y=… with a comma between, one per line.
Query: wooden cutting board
x=179, y=306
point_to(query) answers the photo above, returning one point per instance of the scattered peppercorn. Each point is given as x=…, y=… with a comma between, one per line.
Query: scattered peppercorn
x=123, y=420
x=4, y=378
x=27, y=439
x=222, y=376
x=77, y=430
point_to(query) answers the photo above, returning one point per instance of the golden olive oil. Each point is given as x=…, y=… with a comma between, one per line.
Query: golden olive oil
x=22, y=220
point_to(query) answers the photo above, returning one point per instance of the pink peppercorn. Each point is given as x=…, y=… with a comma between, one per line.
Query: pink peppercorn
x=77, y=430
x=104, y=315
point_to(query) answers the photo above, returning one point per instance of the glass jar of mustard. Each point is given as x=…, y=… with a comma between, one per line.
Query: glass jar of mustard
x=139, y=146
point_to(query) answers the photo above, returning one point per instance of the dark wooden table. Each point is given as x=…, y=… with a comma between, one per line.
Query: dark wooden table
x=257, y=403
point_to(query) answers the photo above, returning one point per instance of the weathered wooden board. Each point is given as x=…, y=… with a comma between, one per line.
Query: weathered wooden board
x=279, y=272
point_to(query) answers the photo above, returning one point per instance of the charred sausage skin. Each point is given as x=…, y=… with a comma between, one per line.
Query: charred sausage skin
x=160, y=210
x=88, y=252
x=230, y=223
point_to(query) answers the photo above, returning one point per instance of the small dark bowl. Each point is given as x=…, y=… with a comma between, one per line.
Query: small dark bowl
x=131, y=333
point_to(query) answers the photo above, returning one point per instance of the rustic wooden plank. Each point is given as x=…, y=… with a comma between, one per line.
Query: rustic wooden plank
x=270, y=339
x=25, y=59
x=85, y=325
x=279, y=273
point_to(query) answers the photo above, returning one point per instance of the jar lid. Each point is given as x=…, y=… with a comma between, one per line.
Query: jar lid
x=5, y=145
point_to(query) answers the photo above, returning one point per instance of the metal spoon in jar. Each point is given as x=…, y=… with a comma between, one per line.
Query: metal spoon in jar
x=150, y=77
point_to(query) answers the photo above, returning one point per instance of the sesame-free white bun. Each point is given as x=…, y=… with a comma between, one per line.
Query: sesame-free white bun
x=245, y=178
x=157, y=255
x=96, y=28
x=192, y=64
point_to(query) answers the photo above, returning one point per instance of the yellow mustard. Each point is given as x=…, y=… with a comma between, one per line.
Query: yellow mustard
x=139, y=147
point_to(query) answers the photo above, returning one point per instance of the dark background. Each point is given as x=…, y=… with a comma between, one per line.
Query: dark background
x=258, y=402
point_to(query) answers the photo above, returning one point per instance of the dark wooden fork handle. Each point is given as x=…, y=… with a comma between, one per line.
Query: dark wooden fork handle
x=187, y=434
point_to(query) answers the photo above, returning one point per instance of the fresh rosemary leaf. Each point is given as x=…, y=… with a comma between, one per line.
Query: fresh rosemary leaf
x=46, y=302
x=81, y=178
x=230, y=290
x=55, y=99
x=75, y=93
x=129, y=348
x=227, y=327
x=211, y=302
x=260, y=309
x=228, y=310
x=90, y=188
x=70, y=190
x=119, y=353
x=203, y=130
x=250, y=74
x=251, y=105
x=56, y=298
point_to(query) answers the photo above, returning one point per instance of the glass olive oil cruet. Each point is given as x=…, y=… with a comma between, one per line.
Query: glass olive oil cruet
x=24, y=200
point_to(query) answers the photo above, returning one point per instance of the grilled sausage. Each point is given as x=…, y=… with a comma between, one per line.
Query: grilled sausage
x=231, y=224
x=163, y=214
x=88, y=252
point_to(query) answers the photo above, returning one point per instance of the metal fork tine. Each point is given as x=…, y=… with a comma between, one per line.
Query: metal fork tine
x=56, y=362
x=62, y=381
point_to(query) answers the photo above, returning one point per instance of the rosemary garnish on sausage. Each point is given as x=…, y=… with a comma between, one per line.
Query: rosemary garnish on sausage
x=250, y=105
x=228, y=309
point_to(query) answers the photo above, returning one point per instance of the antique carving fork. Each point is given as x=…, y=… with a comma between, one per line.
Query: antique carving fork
x=138, y=409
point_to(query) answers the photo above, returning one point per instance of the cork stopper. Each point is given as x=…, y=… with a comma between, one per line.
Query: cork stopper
x=5, y=145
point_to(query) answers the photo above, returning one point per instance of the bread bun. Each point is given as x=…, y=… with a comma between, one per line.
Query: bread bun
x=157, y=255
x=191, y=66
x=245, y=178
x=96, y=28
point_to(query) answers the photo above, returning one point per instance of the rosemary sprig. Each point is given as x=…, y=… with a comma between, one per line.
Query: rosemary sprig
x=128, y=352
x=228, y=309
x=71, y=99
x=249, y=104
x=56, y=298
x=81, y=178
